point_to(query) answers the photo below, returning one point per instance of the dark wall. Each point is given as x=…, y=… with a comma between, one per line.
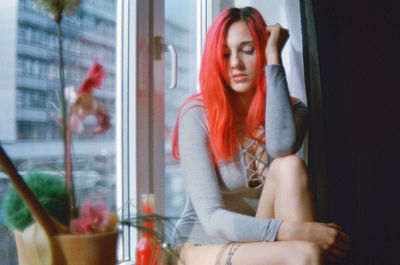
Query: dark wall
x=359, y=44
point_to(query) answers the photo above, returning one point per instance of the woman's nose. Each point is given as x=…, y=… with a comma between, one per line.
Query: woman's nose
x=235, y=60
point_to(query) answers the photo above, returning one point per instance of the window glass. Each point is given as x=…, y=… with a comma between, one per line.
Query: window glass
x=180, y=31
x=29, y=133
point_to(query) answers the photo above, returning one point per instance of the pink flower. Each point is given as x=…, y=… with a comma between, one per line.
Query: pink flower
x=94, y=219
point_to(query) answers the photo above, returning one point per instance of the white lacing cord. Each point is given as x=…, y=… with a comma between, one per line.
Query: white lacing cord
x=254, y=176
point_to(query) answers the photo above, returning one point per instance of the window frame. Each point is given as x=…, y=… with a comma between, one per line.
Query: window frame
x=140, y=94
x=140, y=125
x=317, y=152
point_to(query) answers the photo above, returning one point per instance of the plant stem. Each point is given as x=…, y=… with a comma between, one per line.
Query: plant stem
x=66, y=134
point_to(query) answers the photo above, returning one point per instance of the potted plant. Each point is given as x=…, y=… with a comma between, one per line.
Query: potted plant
x=48, y=240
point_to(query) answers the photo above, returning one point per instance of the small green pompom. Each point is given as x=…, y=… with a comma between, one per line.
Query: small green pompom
x=50, y=191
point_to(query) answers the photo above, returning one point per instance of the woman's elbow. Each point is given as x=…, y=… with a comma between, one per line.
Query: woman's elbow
x=279, y=153
x=282, y=148
x=211, y=229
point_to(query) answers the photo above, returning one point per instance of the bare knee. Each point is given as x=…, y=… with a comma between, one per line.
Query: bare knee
x=289, y=170
x=290, y=162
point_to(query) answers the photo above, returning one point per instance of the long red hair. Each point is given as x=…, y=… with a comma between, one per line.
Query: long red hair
x=215, y=89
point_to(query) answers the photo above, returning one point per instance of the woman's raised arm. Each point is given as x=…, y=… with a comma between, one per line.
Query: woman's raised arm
x=285, y=123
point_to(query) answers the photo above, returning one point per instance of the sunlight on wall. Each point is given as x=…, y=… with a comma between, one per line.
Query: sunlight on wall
x=286, y=13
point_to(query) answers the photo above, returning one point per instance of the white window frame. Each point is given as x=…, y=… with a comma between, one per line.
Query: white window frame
x=140, y=83
x=125, y=189
x=140, y=112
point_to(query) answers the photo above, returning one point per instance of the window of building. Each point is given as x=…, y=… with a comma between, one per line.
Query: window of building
x=44, y=68
x=52, y=73
x=44, y=38
x=35, y=68
x=36, y=35
x=19, y=98
x=26, y=98
x=20, y=67
x=27, y=34
x=21, y=34
x=24, y=130
x=52, y=41
x=27, y=66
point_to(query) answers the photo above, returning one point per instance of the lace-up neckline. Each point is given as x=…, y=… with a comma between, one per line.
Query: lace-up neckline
x=255, y=158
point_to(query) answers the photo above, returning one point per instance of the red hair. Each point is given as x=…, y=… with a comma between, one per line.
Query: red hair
x=215, y=89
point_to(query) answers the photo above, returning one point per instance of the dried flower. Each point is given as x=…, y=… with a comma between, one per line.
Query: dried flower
x=94, y=79
x=83, y=103
x=57, y=7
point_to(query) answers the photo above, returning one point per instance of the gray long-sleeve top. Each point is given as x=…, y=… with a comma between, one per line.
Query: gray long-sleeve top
x=220, y=206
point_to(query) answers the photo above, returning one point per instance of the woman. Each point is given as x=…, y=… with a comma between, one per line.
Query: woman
x=249, y=197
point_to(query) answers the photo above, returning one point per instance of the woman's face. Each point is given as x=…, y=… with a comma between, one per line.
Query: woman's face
x=240, y=58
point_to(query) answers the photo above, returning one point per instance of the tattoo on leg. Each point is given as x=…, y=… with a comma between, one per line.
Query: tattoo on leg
x=232, y=251
x=221, y=252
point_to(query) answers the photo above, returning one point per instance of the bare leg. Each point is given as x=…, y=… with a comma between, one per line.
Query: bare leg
x=257, y=253
x=287, y=195
x=287, y=192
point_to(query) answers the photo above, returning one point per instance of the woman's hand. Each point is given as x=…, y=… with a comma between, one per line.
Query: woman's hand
x=276, y=39
x=328, y=236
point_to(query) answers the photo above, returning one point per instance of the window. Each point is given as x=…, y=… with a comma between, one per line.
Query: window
x=137, y=151
x=28, y=34
x=27, y=66
x=182, y=32
x=21, y=33
x=20, y=66
x=35, y=68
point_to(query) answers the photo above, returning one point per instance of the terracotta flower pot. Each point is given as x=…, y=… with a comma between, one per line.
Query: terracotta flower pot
x=92, y=249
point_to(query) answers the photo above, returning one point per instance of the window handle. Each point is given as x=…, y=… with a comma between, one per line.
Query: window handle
x=159, y=49
x=174, y=66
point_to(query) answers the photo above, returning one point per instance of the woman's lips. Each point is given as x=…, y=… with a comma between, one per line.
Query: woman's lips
x=239, y=78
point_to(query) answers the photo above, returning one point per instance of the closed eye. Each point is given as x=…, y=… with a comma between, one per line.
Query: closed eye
x=248, y=51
